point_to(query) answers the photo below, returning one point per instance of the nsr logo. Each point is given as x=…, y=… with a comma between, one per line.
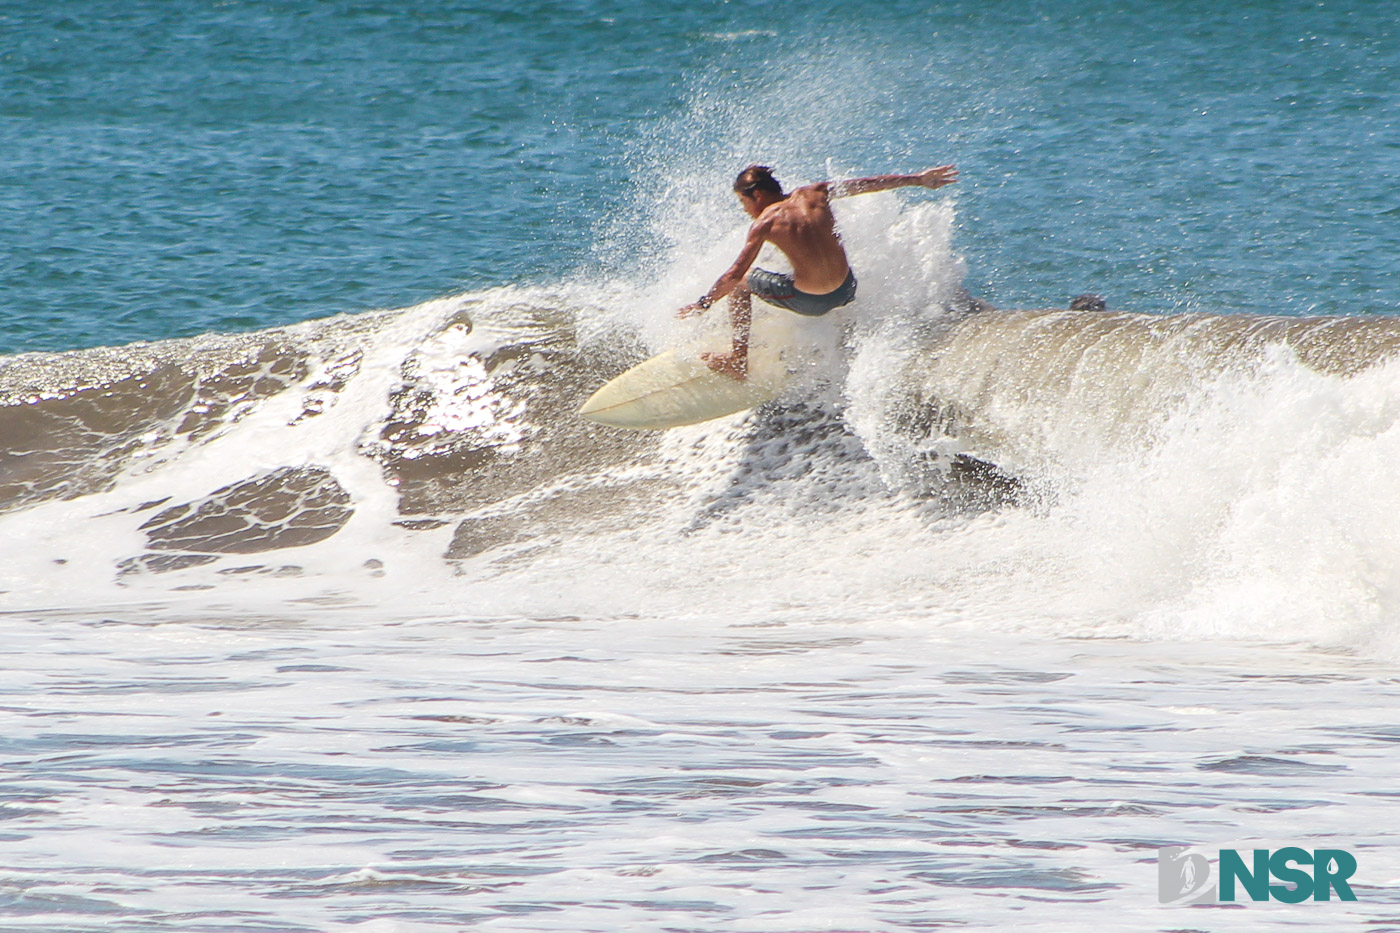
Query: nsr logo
x=1183, y=875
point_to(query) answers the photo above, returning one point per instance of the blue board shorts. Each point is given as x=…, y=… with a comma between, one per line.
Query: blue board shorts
x=777, y=288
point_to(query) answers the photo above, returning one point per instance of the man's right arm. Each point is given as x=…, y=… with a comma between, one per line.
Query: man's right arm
x=758, y=235
x=929, y=178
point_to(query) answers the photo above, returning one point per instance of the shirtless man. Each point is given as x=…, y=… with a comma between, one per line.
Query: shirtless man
x=800, y=224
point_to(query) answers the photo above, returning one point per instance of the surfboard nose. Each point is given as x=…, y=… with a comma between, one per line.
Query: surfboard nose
x=668, y=391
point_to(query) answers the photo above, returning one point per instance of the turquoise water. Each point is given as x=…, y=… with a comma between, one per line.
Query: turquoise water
x=174, y=168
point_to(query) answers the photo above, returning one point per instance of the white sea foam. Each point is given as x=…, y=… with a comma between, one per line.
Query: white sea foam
x=789, y=691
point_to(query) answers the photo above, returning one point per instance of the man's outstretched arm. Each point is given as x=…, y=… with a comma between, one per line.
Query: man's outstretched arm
x=929, y=178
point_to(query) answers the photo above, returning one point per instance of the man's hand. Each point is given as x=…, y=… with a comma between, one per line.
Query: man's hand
x=691, y=310
x=938, y=177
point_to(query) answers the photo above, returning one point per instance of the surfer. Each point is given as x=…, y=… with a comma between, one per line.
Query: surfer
x=800, y=224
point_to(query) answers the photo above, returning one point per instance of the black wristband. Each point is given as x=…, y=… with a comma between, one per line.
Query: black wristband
x=705, y=301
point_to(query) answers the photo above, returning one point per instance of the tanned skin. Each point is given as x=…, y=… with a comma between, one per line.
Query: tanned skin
x=801, y=225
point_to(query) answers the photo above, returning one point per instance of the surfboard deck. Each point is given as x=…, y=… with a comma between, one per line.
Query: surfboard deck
x=675, y=389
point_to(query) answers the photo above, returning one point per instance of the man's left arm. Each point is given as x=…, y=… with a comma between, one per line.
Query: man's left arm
x=929, y=178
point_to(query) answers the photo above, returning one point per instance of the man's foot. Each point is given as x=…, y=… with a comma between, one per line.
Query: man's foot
x=733, y=364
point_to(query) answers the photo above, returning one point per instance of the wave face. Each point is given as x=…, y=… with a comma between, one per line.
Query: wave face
x=1083, y=472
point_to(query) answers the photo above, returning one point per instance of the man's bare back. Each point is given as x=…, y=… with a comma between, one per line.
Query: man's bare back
x=799, y=223
x=802, y=226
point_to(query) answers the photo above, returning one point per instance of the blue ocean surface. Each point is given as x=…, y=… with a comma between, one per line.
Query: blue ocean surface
x=174, y=168
x=322, y=609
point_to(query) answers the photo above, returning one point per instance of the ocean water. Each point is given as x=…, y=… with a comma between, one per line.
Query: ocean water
x=322, y=610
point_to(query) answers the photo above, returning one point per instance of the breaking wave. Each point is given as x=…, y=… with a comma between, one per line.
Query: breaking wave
x=1081, y=472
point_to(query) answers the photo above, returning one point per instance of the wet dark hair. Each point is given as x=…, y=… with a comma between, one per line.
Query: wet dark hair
x=756, y=178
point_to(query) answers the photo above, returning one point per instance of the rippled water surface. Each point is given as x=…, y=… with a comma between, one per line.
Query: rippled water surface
x=327, y=771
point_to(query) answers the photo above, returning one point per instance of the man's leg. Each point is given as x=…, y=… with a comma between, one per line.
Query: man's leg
x=735, y=363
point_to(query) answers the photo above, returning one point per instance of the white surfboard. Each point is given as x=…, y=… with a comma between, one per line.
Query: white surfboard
x=673, y=389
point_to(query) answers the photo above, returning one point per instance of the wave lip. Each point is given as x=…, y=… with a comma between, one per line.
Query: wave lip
x=1019, y=383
